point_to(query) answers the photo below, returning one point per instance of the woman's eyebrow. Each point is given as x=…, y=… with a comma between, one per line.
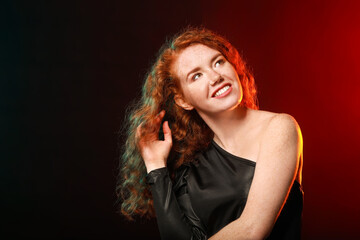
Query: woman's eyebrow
x=198, y=68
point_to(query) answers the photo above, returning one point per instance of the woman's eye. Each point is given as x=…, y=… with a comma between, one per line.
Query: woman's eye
x=196, y=76
x=219, y=62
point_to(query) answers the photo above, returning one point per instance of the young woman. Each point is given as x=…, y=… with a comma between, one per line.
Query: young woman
x=202, y=157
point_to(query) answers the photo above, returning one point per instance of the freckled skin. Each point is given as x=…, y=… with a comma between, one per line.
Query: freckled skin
x=199, y=86
x=271, y=140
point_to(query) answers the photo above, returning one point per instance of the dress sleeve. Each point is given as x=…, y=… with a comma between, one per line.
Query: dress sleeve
x=175, y=217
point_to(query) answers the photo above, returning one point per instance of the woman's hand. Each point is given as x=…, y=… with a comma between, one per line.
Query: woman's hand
x=154, y=151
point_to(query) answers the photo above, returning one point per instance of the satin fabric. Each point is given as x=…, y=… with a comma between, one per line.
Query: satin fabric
x=212, y=192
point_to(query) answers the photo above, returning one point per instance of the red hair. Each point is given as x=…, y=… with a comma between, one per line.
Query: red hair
x=189, y=132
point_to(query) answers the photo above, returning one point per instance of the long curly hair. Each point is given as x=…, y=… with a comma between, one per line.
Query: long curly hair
x=190, y=133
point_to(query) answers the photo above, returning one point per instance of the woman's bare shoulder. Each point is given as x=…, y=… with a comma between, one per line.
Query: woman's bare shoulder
x=276, y=124
x=261, y=118
x=275, y=119
x=283, y=121
x=280, y=126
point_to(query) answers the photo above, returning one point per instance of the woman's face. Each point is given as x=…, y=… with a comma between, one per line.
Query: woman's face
x=209, y=82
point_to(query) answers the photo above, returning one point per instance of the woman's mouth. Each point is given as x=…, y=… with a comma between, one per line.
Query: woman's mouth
x=223, y=92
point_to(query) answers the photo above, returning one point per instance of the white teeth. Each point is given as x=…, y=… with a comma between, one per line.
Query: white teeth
x=221, y=91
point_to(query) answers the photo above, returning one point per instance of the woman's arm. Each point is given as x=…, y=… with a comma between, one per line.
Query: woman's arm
x=275, y=171
x=173, y=224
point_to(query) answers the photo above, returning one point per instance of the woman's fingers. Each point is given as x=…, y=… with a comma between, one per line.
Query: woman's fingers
x=158, y=119
x=160, y=116
x=138, y=133
x=153, y=136
x=167, y=132
x=138, y=129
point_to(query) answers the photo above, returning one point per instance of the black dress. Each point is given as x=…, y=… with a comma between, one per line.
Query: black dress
x=209, y=194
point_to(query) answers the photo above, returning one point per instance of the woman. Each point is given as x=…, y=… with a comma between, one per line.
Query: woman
x=202, y=157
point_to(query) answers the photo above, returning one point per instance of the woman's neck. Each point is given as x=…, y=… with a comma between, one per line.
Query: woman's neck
x=228, y=126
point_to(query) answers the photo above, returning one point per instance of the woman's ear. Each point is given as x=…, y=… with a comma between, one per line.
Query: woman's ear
x=181, y=103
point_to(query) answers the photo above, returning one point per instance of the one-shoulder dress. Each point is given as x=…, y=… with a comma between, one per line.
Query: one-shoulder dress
x=210, y=193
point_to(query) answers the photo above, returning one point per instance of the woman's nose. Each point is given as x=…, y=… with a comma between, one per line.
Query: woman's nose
x=216, y=77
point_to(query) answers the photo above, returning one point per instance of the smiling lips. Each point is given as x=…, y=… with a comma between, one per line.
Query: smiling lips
x=222, y=91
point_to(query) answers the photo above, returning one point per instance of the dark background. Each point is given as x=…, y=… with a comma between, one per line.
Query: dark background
x=69, y=69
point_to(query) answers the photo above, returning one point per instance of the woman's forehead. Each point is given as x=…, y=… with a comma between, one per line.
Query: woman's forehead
x=191, y=57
